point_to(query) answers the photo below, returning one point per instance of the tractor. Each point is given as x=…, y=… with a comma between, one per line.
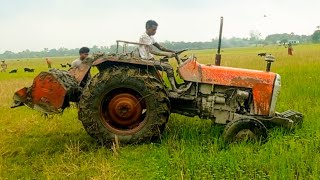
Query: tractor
x=128, y=98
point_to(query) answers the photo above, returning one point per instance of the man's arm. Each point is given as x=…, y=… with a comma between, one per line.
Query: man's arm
x=162, y=48
x=159, y=53
x=166, y=52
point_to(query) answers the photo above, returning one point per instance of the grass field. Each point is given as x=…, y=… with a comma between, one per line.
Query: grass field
x=35, y=147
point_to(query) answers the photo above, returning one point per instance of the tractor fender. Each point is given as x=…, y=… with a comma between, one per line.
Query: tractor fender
x=104, y=63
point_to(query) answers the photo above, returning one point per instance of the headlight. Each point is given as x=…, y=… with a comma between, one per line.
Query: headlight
x=275, y=94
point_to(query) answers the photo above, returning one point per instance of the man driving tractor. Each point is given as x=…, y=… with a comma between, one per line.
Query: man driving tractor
x=147, y=51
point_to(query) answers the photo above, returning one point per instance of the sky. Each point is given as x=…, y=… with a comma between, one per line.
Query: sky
x=39, y=24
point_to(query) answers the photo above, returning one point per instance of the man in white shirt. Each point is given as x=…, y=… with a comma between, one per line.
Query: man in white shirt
x=147, y=51
x=83, y=52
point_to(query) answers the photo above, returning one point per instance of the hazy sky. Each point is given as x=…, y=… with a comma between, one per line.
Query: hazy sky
x=38, y=24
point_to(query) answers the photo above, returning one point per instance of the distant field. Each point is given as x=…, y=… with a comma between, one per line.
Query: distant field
x=57, y=147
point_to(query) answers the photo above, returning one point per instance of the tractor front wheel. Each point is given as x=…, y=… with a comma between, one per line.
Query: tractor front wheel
x=244, y=130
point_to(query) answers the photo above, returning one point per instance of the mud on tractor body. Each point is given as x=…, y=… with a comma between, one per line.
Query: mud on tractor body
x=129, y=99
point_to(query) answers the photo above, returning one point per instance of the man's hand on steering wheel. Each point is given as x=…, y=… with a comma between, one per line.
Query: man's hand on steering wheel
x=174, y=54
x=170, y=54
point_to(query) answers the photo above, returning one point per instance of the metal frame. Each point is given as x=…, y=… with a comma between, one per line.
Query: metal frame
x=124, y=49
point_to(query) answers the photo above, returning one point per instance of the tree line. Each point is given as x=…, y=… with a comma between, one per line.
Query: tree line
x=253, y=40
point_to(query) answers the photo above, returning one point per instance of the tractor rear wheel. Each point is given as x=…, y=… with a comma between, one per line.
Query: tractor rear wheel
x=124, y=102
x=244, y=130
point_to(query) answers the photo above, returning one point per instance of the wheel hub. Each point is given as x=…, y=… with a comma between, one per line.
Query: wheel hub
x=245, y=133
x=124, y=109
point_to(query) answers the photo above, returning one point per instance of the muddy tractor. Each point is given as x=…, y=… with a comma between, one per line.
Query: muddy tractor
x=131, y=99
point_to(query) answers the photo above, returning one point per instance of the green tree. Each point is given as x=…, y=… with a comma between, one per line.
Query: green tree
x=316, y=36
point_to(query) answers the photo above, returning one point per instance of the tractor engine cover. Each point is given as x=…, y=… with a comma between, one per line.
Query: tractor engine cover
x=261, y=83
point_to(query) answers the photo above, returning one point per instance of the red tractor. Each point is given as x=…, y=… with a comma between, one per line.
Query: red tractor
x=129, y=99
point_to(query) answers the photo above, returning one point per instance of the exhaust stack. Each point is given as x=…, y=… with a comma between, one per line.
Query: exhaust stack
x=218, y=55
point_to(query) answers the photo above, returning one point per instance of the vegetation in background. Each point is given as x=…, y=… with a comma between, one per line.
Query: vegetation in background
x=316, y=36
x=254, y=40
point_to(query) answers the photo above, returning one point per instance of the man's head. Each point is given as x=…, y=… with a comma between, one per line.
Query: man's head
x=151, y=27
x=84, y=52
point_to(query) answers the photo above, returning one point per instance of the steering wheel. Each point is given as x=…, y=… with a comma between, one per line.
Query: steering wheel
x=179, y=61
x=181, y=51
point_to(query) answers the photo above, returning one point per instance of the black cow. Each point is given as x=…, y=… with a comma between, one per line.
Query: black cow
x=28, y=70
x=262, y=54
x=13, y=71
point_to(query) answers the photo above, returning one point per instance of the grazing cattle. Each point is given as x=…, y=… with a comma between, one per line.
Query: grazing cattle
x=62, y=65
x=13, y=71
x=28, y=70
x=69, y=64
x=262, y=54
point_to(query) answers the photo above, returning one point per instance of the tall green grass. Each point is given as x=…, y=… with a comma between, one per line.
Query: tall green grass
x=57, y=147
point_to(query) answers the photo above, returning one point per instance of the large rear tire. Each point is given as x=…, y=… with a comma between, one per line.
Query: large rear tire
x=124, y=102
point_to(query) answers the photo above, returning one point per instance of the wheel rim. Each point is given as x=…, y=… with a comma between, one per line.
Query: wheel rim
x=123, y=111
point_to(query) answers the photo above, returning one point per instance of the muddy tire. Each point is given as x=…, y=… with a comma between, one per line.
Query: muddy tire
x=124, y=102
x=245, y=130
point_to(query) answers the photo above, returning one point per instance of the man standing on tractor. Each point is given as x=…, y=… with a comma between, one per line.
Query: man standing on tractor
x=147, y=51
x=83, y=52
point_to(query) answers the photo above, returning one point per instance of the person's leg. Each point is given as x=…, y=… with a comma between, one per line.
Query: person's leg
x=169, y=70
x=173, y=83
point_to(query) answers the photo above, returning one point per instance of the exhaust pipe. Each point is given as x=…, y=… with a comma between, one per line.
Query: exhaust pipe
x=218, y=55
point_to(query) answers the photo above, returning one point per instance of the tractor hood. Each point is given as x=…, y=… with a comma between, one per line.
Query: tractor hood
x=261, y=83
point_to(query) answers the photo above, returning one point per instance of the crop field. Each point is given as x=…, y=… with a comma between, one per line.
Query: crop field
x=33, y=146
